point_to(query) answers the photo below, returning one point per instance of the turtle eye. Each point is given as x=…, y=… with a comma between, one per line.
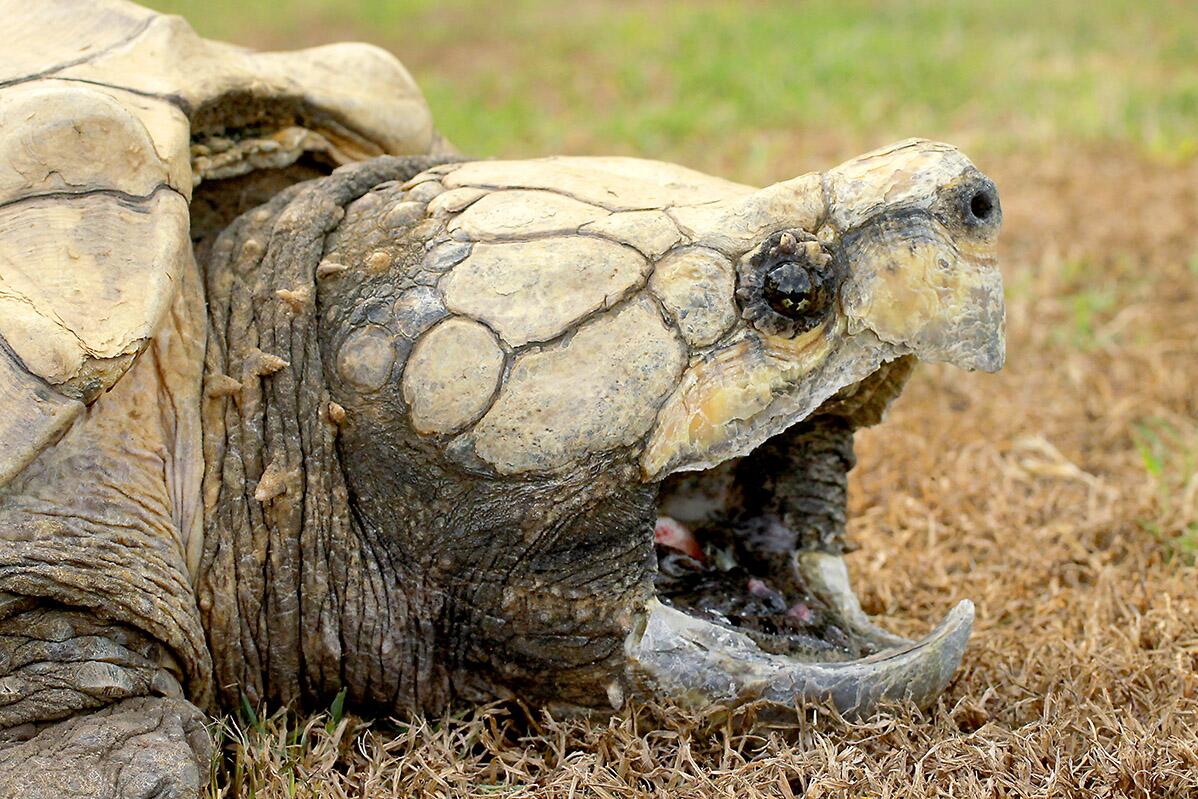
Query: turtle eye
x=787, y=285
x=793, y=291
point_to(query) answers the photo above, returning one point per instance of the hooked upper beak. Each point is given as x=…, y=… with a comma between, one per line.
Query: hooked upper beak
x=913, y=287
x=918, y=227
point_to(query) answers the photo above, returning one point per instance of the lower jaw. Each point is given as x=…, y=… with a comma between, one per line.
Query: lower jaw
x=695, y=662
x=737, y=623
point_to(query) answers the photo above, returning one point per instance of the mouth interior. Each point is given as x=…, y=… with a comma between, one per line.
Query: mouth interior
x=735, y=542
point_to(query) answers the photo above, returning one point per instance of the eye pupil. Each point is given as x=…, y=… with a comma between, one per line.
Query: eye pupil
x=789, y=290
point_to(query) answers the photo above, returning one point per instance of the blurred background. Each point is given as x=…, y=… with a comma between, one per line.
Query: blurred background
x=1061, y=495
x=761, y=90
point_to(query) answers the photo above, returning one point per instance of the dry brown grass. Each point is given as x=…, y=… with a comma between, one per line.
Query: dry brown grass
x=1060, y=495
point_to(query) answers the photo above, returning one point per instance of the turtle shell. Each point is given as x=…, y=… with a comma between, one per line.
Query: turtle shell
x=111, y=116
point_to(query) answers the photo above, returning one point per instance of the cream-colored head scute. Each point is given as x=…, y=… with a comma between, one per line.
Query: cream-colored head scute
x=645, y=306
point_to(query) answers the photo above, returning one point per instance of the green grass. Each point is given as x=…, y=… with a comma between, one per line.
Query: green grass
x=747, y=81
x=276, y=746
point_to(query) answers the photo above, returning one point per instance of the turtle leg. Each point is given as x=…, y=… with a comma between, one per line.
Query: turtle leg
x=90, y=708
x=144, y=747
x=104, y=664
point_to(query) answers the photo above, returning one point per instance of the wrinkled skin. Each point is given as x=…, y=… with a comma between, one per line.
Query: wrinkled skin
x=436, y=442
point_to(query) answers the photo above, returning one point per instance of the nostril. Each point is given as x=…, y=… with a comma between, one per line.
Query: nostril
x=981, y=205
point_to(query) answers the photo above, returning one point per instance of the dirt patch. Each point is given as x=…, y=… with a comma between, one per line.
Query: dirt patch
x=1058, y=495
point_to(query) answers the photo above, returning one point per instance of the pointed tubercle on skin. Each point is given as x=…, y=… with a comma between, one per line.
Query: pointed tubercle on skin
x=272, y=484
x=264, y=364
x=219, y=385
x=296, y=299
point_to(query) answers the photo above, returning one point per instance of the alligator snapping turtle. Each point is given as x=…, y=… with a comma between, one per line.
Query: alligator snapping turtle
x=424, y=429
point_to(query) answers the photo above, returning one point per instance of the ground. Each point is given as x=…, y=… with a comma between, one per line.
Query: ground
x=1061, y=495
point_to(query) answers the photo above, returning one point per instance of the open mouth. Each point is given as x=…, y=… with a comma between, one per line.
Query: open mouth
x=753, y=598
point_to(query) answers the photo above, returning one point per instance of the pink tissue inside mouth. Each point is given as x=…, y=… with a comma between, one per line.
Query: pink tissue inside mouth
x=675, y=535
x=801, y=613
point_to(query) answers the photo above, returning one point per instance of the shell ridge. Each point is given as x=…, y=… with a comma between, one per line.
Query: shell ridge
x=124, y=196
x=129, y=39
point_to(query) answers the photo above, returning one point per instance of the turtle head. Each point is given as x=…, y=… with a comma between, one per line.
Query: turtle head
x=604, y=409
